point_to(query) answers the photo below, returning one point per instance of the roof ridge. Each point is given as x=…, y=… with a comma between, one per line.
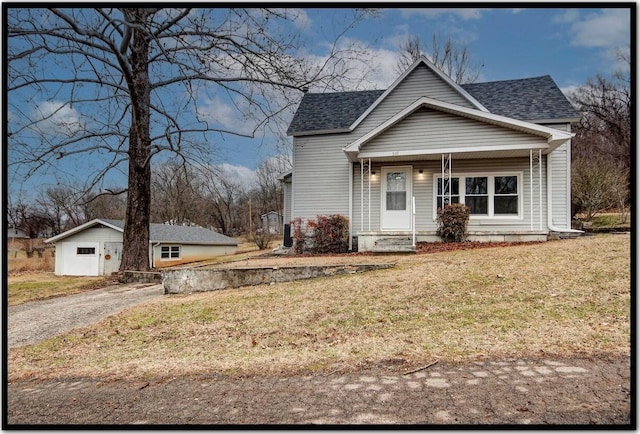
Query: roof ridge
x=511, y=79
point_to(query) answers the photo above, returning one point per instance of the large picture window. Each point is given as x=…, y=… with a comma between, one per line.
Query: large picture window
x=485, y=195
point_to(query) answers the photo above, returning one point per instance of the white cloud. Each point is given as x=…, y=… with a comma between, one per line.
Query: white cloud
x=606, y=29
x=240, y=174
x=463, y=13
x=57, y=118
x=217, y=111
x=300, y=18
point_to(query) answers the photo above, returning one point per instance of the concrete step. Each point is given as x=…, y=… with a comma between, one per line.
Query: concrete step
x=394, y=245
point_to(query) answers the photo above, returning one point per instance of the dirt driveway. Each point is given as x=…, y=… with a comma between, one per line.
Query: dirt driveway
x=35, y=321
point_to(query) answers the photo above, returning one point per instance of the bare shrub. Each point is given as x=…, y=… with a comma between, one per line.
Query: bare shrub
x=452, y=222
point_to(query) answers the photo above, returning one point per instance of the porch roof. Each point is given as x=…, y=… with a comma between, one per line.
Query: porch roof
x=553, y=137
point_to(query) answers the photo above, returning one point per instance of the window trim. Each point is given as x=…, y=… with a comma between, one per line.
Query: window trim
x=171, y=247
x=78, y=248
x=490, y=192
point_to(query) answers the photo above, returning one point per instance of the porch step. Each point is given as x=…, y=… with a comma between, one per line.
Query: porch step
x=394, y=245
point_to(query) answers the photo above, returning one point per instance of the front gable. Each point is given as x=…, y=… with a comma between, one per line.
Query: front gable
x=429, y=127
x=422, y=79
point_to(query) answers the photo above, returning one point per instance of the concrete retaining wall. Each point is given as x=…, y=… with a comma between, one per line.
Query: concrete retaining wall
x=141, y=277
x=199, y=280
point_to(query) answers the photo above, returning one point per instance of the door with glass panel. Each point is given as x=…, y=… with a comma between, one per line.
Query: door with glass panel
x=396, y=198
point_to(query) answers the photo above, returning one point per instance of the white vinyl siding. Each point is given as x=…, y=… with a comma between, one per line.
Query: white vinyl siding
x=287, y=217
x=423, y=191
x=432, y=130
x=320, y=177
x=559, y=187
x=420, y=82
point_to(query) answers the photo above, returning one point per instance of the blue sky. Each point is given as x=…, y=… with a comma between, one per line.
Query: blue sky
x=570, y=44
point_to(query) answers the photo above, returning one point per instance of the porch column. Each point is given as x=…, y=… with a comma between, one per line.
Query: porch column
x=535, y=167
x=446, y=178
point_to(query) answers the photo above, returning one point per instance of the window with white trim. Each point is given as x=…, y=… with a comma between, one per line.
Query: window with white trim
x=486, y=195
x=170, y=252
x=86, y=251
x=455, y=193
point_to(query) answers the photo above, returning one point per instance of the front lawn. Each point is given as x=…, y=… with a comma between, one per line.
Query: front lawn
x=564, y=298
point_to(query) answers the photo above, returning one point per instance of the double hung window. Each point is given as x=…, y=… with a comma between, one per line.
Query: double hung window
x=497, y=195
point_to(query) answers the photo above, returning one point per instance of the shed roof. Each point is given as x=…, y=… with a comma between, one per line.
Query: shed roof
x=536, y=99
x=160, y=233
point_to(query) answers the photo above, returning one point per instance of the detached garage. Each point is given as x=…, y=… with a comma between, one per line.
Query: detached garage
x=95, y=248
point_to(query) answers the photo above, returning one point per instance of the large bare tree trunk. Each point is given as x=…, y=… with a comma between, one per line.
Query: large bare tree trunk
x=136, y=227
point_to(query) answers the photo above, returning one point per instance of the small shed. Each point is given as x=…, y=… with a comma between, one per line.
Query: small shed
x=272, y=221
x=95, y=248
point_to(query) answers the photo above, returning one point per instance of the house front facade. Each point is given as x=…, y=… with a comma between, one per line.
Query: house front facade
x=389, y=159
x=95, y=248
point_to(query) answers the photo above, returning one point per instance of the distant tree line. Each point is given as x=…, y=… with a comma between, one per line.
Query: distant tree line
x=182, y=194
x=601, y=149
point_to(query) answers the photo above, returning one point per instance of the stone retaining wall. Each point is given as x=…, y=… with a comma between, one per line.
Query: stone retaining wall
x=199, y=280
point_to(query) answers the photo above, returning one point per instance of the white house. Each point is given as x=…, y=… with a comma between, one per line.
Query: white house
x=388, y=159
x=95, y=248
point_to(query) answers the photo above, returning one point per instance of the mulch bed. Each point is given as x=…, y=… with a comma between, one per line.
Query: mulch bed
x=423, y=247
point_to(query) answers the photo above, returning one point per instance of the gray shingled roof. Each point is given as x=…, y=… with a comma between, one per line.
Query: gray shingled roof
x=537, y=98
x=180, y=234
x=331, y=111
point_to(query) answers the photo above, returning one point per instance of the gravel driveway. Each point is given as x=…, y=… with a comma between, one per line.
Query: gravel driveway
x=33, y=322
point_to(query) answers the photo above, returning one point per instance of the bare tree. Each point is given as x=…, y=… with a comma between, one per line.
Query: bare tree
x=603, y=135
x=124, y=84
x=606, y=115
x=595, y=185
x=63, y=208
x=226, y=196
x=105, y=205
x=174, y=194
x=453, y=58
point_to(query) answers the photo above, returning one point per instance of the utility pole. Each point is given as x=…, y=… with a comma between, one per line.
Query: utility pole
x=250, y=219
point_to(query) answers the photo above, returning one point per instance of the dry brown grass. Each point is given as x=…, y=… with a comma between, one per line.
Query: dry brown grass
x=18, y=262
x=564, y=298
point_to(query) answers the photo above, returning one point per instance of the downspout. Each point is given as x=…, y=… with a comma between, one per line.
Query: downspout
x=351, y=205
x=153, y=246
x=550, y=224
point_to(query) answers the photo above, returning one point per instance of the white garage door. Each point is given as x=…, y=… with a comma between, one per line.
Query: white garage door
x=80, y=259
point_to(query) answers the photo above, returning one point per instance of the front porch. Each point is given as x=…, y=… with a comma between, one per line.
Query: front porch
x=405, y=241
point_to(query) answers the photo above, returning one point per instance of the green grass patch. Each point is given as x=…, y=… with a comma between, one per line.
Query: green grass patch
x=41, y=286
x=608, y=221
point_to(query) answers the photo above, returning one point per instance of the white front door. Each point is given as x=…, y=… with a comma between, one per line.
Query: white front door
x=396, y=198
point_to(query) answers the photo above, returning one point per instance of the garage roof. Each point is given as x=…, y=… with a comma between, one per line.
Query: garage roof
x=159, y=233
